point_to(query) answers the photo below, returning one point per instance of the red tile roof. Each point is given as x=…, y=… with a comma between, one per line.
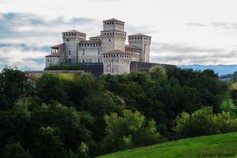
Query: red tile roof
x=113, y=20
x=53, y=55
x=58, y=45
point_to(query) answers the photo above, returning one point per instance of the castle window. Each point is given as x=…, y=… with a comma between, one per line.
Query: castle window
x=108, y=68
x=109, y=40
x=68, y=40
x=69, y=52
x=98, y=52
x=83, y=61
x=69, y=61
x=83, y=51
x=98, y=60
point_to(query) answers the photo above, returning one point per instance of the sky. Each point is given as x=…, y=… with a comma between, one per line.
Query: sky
x=184, y=32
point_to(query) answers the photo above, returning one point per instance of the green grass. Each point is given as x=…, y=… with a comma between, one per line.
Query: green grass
x=222, y=145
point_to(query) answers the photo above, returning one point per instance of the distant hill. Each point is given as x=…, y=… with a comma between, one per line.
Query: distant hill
x=219, y=69
x=223, y=145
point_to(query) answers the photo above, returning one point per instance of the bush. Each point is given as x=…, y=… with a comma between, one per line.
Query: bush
x=128, y=131
x=204, y=122
x=65, y=67
x=15, y=150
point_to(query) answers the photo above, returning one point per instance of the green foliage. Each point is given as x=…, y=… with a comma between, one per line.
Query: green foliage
x=15, y=150
x=234, y=77
x=158, y=72
x=13, y=84
x=50, y=87
x=204, y=122
x=66, y=67
x=48, y=144
x=67, y=110
x=77, y=86
x=128, y=131
x=227, y=105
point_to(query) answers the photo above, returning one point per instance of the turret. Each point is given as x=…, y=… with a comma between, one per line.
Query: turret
x=113, y=36
x=143, y=42
x=71, y=38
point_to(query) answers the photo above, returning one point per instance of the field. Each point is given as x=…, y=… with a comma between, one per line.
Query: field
x=222, y=145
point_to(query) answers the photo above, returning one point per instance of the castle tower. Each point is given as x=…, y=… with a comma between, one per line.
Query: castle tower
x=71, y=38
x=116, y=62
x=113, y=36
x=143, y=42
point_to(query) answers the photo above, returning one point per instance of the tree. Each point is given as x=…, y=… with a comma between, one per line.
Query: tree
x=158, y=73
x=13, y=84
x=50, y=88
x=227, y=105
x=48, y=144
x=128, y=131
x=15, y=150
x=204, y=122
x=234, y=77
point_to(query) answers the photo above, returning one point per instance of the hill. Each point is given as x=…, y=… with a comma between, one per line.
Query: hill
x=219, y=69
x=222, y=145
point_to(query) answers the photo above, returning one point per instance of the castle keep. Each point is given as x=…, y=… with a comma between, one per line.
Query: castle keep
x=108, y=48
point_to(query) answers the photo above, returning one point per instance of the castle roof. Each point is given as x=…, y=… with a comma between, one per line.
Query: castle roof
x=139, y=34
x=75, y=31
x=57, y=46
x=95, y=36
x=117, y=51
x=113, y=20
x=53, y=55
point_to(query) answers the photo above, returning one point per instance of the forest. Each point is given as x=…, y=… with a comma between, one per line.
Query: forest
x=75, y=116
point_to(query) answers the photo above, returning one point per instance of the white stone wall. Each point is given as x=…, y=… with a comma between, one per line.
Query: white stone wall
x=117, y=65
x=113, y=41
x=143, y=43
x=52, y=61
x=91, y=54
x=114, y=26
x=71, y=47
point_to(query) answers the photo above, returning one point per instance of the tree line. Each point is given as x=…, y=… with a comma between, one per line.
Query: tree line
x=73, y=115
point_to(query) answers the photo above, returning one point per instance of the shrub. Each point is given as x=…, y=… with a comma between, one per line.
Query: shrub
x=204, y=122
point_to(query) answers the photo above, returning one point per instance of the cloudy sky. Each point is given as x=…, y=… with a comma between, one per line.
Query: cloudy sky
x=183, y=31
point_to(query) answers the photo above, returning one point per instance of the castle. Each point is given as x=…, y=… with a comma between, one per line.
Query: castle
x=108, y=48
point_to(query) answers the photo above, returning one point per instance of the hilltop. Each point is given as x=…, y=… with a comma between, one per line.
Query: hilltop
x=222, y=145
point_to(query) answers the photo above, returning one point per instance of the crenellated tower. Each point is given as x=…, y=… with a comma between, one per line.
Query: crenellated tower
x=71, y=39
x=113, y=36
x=143, y=42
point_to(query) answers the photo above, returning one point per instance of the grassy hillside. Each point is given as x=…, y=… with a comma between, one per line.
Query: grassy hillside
x=223, y=145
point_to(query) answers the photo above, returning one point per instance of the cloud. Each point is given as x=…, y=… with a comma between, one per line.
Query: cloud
x=25, y=39
x=184, y=48
x=222, y=25
x=183, y=54
x=196, y=24
x=22, y=56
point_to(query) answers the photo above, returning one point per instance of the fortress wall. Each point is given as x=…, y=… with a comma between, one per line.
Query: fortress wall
x=142, y=66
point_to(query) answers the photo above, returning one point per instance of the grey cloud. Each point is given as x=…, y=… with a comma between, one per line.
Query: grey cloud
x=197, y=24
x=222, y=25
x=184, y=54
x=10, y=22
x=145, y=29
x=177, y=48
